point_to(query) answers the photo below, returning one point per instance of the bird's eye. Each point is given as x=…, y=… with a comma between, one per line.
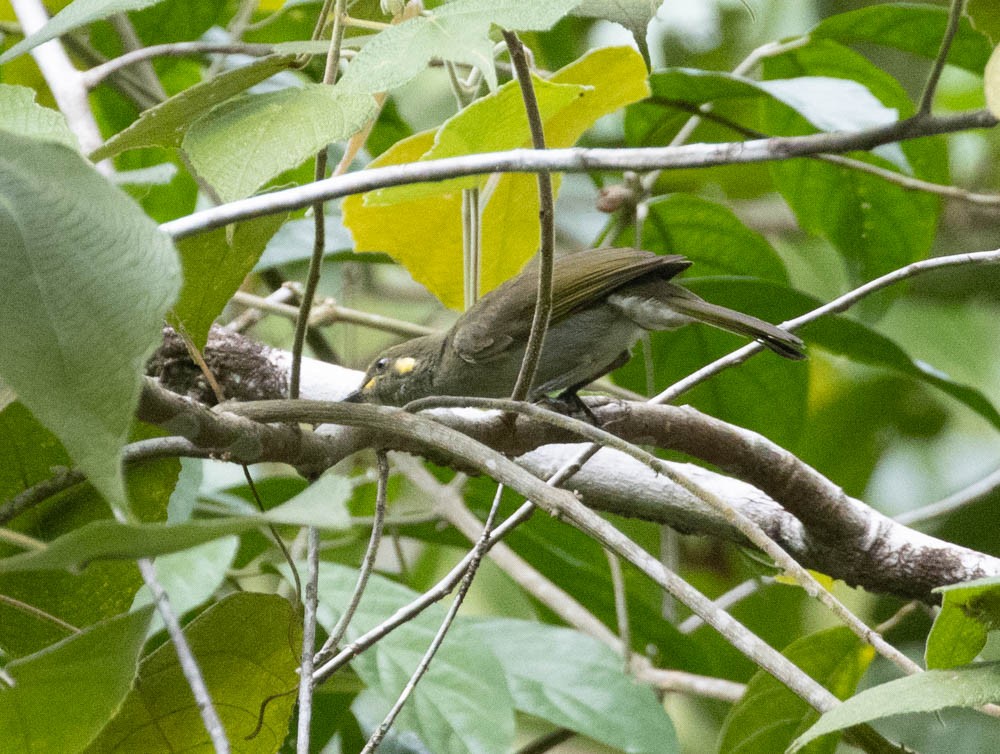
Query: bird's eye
x=381, y=365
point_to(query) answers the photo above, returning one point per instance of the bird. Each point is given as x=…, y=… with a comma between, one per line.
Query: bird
x=603, y=300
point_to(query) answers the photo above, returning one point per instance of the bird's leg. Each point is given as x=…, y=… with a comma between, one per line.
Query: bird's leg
x=569, y=399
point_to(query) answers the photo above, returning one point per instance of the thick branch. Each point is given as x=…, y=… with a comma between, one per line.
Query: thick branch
x=799, y=508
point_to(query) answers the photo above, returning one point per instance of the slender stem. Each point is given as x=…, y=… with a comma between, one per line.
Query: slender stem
x=971, y=494
x=927, y=98
x=735, y=595
x=367, y=564
x=477, y=556
x=63, y=79
x=319, y=218
x=94, y=76
x=328, y=312
x=189, y=666
x=308, y=642
x=621, y=606
x=546, y=217
x=24, y=607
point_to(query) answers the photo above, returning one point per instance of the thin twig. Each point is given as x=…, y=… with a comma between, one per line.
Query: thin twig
x=308, y=642
x=367, y=564
x=927, y=98
x=189, y=666
x=63, y=79
x=734, y=596
x=94, y=76
x=477, y=555
x=621, y=606
x=546, y=218
x=24, y=607
x=971, y=494
x=839, y=304
x=328, y=312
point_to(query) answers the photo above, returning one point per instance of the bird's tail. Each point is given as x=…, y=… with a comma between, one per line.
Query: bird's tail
x=780, y=341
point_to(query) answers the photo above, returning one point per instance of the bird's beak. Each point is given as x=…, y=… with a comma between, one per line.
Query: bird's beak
x=356, y=397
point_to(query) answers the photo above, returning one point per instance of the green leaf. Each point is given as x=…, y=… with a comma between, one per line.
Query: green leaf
x=20, y=114
x=178, y=20
x=247, y=647
x=968, y=686
x=461, y=704
x=575, y=682
x=241, y=144
x=165, y=124
x=28, y=455
x=66, y=693
x=78, y=13
x=86, y=279
x=215, y=265
x=709, y=234
x=769, y=715
x=968, y=613
x=106, y=538
x=917, y=29
x=457, y=31
x=850, y=338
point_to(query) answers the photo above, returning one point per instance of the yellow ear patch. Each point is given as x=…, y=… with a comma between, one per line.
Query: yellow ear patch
x=404, y=365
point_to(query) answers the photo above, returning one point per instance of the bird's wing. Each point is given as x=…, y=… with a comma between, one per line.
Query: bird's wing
x=581, y=279
x=503, y=316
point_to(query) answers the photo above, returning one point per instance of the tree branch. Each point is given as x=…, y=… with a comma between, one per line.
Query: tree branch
x=576, y=160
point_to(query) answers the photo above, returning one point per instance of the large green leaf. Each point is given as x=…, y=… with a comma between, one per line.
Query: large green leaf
x=86, y=280
x=247, y=647
x=241, y=144
x=456, y=31
x=969, y=686
x=907, y=26
x=461, y=704
x=769, y=715
x=63, y=695
x=28, y=455
x=76, y=14
x=875, y=224
x=575, y=682
x=165, y=124
x=968, y=613
x=711, y=235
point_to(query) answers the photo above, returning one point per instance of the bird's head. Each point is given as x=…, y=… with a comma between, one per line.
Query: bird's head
x=400, y=374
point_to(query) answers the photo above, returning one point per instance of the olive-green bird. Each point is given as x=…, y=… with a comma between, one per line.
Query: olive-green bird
x=602, y=301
